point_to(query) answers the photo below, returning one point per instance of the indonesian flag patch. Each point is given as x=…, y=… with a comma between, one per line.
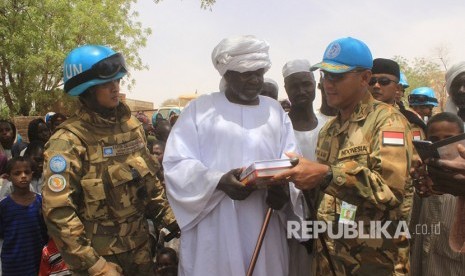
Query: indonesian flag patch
x=394, y=138
x=416, y=135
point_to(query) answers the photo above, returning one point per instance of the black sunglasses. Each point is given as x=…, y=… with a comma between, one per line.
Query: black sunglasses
x=107, y=68
x=421, y=99
x=334, y=77
x=383, y=81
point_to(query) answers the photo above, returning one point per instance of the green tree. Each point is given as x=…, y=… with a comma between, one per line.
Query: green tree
x=422, y=72
x=204, y=4
x=35, y=37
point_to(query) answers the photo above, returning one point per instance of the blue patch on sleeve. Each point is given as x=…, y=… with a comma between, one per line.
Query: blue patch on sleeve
x=57, y=164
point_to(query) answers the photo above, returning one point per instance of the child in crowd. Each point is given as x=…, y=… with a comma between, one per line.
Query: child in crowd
x=9, y=139
x=38, y=130
x=166, y=258
x=35, y=154
x=22, y=227
x=52, y=263
x=157, y=149
x=56, y=120
x=431, y=253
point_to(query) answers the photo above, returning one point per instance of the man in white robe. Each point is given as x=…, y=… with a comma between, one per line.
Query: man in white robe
x=216, y=136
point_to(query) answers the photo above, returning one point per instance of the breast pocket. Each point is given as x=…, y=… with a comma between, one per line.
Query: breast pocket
x=94, y=198
x=127, y=185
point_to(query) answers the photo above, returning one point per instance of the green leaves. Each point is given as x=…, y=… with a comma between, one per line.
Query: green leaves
x=422, y=72
x=36, y=36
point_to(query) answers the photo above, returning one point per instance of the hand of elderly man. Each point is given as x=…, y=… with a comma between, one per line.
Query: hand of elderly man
x=230, y=185
x=305, y=175
x=278, y=194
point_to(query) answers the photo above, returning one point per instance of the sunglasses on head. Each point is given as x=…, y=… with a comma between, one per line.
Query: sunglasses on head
x=420, y=99
x=383, y=81
x=107, y=68
x=334, y=77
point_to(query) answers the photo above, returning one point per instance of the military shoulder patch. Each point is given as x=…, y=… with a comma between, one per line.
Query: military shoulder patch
x=395, y=138
x=57, y=164
x=57, y=183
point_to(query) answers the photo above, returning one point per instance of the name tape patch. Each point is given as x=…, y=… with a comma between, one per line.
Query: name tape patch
x=123, y=149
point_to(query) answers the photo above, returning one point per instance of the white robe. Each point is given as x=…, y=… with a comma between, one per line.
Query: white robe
x=211, y=137
x=307, y=140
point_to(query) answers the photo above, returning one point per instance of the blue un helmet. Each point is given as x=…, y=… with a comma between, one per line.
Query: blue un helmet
x=422, y=96
x=90, y=65
x=403, y=80
x=48, y=116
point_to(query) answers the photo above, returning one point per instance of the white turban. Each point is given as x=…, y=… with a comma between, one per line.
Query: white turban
x=241, y=54
x=296, y=66
x=453, y=72
x=268, y=80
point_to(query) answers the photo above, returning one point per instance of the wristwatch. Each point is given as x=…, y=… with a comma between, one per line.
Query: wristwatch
x=326, y=179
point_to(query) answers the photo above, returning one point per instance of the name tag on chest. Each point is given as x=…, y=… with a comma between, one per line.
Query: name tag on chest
x=124, y=148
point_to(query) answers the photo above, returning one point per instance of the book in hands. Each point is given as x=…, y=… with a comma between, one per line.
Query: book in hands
x=259, y=173
x=444, y=149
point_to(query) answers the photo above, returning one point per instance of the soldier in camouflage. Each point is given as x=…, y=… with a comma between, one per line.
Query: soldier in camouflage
x=364, y=156
x=384, y=86
x=100, y=184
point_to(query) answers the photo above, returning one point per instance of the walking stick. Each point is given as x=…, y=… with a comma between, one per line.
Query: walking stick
x=258, y=246
x=261, y=236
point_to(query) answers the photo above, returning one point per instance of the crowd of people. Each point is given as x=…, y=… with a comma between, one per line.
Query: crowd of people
x=103, y=191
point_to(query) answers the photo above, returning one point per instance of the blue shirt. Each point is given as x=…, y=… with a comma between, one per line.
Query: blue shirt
x=24, y=235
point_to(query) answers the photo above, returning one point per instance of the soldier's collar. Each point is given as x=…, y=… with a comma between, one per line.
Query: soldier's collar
x=363, y=108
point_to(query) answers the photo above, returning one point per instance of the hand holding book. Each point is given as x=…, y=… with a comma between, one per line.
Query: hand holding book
x=448, y=174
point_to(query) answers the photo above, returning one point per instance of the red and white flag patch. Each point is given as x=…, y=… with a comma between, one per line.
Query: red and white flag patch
x=416, y=135
x=393, y=138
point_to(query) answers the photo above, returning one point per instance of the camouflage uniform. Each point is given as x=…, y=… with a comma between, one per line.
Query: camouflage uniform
x=97, y=200
x=417, y=129
x=370, y=173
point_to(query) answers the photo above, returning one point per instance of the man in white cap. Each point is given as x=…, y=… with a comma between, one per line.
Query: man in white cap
x=300, y=86
x=214, y=138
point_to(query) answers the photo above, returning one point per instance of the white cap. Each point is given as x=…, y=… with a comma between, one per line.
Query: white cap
x=295, y=66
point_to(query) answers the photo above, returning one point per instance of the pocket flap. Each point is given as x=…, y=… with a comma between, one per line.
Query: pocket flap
x=93, y=189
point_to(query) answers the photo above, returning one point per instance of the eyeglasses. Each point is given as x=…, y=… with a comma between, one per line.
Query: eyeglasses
x=383, y=81
x=421, y=99
x=107, y=68
x=335, y=77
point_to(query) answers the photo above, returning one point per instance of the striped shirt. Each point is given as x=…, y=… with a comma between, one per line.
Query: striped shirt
x=24, y=235
x=431, y=253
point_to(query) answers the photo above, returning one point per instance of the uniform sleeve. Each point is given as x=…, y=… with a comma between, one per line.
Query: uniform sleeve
x=60, y=190
x=381, y=179
x=158, y=209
